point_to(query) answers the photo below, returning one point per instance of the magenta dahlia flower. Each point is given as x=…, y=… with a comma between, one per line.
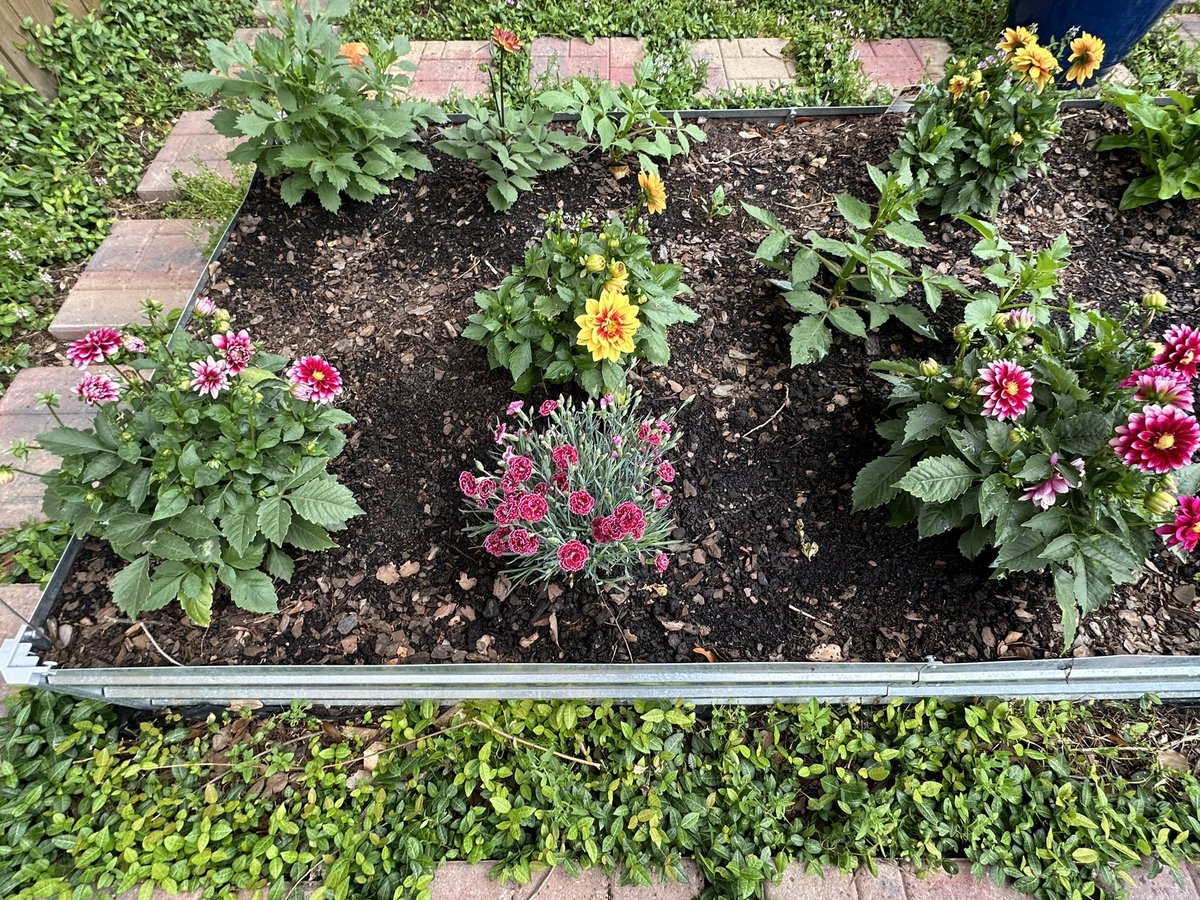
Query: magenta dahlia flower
x=206, y=306
x=1185, y=530
x=237, y=349
x=1158, y=439
x=94, y=347
x=1020, y=320
x=314, y=379
x=572, y=556
x=1162, y=390
x=95, y=389
x=210, y=376
x=1007, y=390
x=1043, y=495
x=581, y=503
x=1181, y=350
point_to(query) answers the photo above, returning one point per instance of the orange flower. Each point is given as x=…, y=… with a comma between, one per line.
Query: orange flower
x=608, y=326
x=1015, y=39
x=1087, y=52
x=958, y=86
x=1037, y=64
x=356, y=52
x=506, y=40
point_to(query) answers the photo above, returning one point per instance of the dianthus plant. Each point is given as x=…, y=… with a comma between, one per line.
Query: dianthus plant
x=575, y=491
x=1056, y=436
x=585, y=306
x=207, y=458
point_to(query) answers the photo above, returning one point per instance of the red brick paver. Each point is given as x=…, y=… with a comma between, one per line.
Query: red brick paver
x=22, y=419
x=19, y=603
x=160, y=259
x=902, y=62
x=609, y=58
x=448, y=67
x=192, y=145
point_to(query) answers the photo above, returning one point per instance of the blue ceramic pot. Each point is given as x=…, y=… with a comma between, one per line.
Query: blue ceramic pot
x=1120, y=23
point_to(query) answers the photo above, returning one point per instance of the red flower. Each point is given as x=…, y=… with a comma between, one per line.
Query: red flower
x=532, y=508
x=523, y=543
x=520, y=468
x=629, y=519
x=236, y=348
x=505, y=513
x=314, y=379
x=661, y=562
x=496, y=543
x=95, y=389
x=486, y=488
x=605, y=530
x=547, y=407
x=1163, y=390
x=506, y=40
x=1007, y=390
x=1157, y=439
x=210, y=376
x=1185, y=530
x=666, y=472
x=561, y=481
x=572, y=555
x=468, y=484
x=541, y=489
x=1181, y=350
x=564, y=456
x=661, y=499
x=580, y=503
x=94, y=347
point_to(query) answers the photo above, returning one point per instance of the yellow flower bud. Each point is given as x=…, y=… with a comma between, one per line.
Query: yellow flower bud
x=962, y=333
x=929, y=368
x=951, y=403
x=1015, y=139
x=596, y=263
x=1160, y=503
x=1000, y=322
x=1155, y=301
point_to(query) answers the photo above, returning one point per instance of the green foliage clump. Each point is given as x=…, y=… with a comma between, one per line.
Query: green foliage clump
x=1060, y=798
x=329, y=116
x=852, y=284
x=529, y=323
x=209, y=197
x=30, y=551
x=1167, y=141
x=1164, y=59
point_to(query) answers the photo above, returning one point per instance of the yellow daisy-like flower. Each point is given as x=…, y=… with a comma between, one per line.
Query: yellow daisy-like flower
x=957, y=86
x=618, y=277
x=1087, y=52
x=1037, y=64
x=653, y=192
x=1015, y=39
x=608, y=326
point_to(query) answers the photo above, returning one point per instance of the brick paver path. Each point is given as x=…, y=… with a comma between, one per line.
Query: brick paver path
x=745, y=63
x=160, y=259
x=901, y=62
x=1189, y=26
x=22, y=419
x=192, y=145
x=464, y=881
x=609, y=58
x=444, y=67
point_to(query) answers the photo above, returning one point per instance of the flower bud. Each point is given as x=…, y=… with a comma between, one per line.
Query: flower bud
x=596, y=263
x=962, y=333
x=929, y=368
x=613, y=244
x=1155, y=301
x=1000, y=322
x=1168, y=483
x=951, y=403
x=1160, y=503
x=1015, y=139
x=1015, y=436
x=184, y=384
x=6, y=474
x=957, y=382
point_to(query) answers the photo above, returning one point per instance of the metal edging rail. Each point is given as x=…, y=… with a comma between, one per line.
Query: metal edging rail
x=1095, y=678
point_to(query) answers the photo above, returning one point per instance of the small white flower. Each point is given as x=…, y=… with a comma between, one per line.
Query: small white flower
x=15, y=255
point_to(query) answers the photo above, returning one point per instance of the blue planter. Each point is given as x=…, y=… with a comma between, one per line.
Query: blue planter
x=1120, y=23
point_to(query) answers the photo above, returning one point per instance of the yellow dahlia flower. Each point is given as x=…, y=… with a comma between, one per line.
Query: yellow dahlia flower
x=1087, y=52
x=958, y=86
x=1015, y=39
x=1037, y=64
x=618, y=277
x=653, y=192
x=608, y=326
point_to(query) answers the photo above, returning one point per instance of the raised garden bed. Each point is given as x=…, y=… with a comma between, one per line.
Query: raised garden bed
x=384, y=289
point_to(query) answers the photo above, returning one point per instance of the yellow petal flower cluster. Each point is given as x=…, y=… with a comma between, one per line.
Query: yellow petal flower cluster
x=653, y=192
x=607, y=328
x=1087, y=52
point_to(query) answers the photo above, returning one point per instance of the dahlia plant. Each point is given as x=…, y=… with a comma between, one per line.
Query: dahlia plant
x=586, y=305
x=1057, y=436
x=986, y=125
x=206, y=459
x=575, y=490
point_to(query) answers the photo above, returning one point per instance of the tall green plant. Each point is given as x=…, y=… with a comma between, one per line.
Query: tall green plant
x=1166, y=140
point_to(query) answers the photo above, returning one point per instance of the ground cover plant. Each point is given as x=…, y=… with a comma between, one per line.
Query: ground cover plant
x=204, y=462
x=326, y=115
x=762, y=504
x=1059, y=798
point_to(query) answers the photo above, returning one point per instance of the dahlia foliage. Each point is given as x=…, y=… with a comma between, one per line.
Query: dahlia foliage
x=207, y=459
x=576, y=491
x=1057, y=436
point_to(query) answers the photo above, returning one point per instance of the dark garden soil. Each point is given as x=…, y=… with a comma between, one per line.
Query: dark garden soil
x=769, y=452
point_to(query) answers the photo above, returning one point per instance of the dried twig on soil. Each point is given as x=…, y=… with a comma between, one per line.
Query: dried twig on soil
x=787, y=399
x=165, y=655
